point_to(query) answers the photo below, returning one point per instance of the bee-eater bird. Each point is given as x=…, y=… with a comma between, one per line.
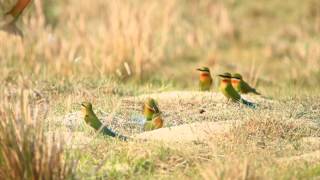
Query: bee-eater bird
x=241, y=86
x=150, y=107
x=91, y=119
x=230, y=93
x=8, y=21
x=205, y=79
x=155, y=123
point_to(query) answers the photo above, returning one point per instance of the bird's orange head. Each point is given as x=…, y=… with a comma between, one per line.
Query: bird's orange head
x=236, y=78
x=152, y=105
x=86, y=107
x=204, y=73
x=157, y=120
x=225, y=77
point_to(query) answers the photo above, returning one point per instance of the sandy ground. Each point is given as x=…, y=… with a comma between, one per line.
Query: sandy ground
x=189, y=116
x=188, y=132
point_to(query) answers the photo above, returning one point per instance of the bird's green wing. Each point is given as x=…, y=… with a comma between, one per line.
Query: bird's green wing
x=155, y=107
x=94, y=121
x=96, y=124
x=233, y=94
x=148, y=126
x=246, y=87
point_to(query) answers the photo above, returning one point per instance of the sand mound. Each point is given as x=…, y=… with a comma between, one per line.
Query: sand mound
x=188, y=115
x=188, y=132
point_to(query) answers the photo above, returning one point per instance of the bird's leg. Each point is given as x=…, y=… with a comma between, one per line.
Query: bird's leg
x=227, y=102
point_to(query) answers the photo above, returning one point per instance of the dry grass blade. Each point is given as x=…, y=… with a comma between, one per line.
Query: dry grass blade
x=25, y=151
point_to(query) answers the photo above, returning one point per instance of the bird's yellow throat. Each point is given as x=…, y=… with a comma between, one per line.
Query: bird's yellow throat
x=84, y=110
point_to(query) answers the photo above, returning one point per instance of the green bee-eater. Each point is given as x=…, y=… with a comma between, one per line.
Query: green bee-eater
x=241, y=86
x=155, y=123
x=8, y=21
x=150, y=107
x=229, y=92
x=91, y=119
x=205, y=79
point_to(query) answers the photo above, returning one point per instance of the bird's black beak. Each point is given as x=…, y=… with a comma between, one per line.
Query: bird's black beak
x=199, y=69
x=235, y=78
x=223, y=76
x=83, y=105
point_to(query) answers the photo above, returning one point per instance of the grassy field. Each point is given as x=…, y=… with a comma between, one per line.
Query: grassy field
x=116, y=53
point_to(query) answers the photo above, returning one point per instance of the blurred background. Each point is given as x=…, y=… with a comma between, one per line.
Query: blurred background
x=272, y=43
x=115, y=53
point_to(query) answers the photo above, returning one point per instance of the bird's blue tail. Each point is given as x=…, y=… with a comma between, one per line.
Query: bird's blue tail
x=108, y=132
x=248, y=104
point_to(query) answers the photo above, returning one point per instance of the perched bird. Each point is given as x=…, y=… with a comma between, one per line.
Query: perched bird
x=91, y=119
x=205, y=80
x=8, y=21
x=150, y=107
x=155, y=123
x=241, y=86
x=230, y=93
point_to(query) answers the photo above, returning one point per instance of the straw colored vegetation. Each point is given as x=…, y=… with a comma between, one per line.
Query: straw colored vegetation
x=116, y=53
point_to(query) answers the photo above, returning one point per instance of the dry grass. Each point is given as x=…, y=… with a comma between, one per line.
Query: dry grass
x=133, y=38
x=125, y=38
x=259, y=144
x=130, y=39
x=82, y=50
x=25, y=151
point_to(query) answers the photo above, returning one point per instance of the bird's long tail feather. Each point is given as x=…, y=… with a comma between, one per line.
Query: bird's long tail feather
x=248, y=103
x=109, y=132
